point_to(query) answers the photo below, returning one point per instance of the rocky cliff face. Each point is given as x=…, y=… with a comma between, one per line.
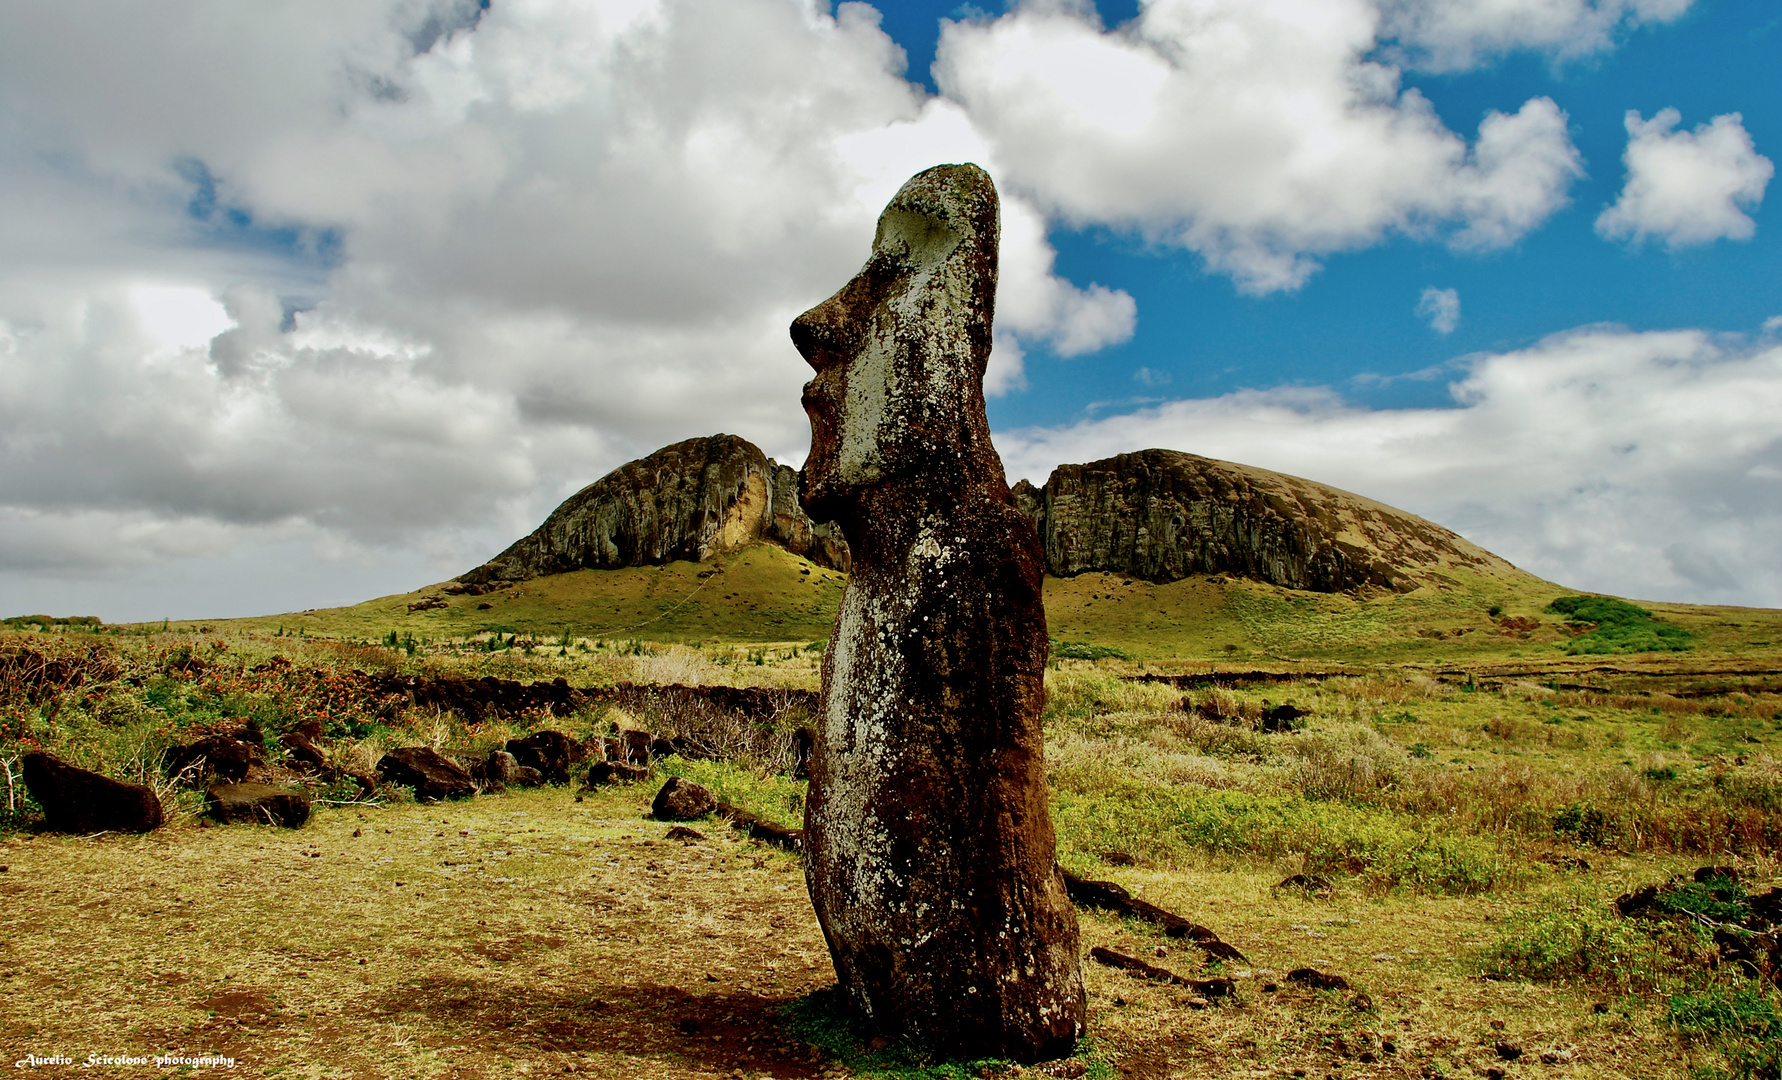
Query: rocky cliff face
x=1162, y=515
x=693, y=500
x=1159, y=515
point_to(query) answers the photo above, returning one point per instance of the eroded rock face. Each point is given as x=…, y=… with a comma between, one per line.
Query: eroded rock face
x=1163, y=515
x=694, y=500
x=929, y=844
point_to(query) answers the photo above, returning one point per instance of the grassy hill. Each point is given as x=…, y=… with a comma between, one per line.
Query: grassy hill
x=764, y=594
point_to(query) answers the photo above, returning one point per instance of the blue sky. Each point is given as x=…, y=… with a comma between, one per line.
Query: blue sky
x=303, y=304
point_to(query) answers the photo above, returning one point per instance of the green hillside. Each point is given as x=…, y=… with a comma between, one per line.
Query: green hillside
x=764, y=594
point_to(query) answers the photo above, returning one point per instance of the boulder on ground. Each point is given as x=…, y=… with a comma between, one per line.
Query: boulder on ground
x=633, y=748
x=682, y=800
x=550, y=752
x=614, y=772
x=258, y=804
x=223, y=756
x=304, y=753
x=77, y=801
x=503, y=768
x=431, y=774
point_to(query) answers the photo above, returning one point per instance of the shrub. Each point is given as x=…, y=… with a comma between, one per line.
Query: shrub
x=1082, y=650
x=1616, y=626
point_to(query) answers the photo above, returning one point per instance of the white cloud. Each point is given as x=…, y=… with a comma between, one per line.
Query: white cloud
x=1640, y=464
x=1258, y=134
x=1446, y=35
x=1687, y=187
x=375, y=284
x=1440, y=308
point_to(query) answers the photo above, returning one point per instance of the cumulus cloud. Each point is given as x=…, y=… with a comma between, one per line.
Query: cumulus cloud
x=1258, y=134
x=403, y=275
x=1642, y=464
x=1687, y=187
x=1440, y=308
x=375, y=284
x=1447, y=35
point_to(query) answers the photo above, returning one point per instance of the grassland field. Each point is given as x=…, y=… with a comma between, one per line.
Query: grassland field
x=1463, y=796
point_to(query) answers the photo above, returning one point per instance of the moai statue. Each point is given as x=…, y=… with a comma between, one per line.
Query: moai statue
x=929, y=848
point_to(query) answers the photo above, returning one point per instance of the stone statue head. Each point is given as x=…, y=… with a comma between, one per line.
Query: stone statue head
x=900, y=350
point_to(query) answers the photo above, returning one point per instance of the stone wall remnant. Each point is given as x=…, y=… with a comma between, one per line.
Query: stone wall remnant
x=930, y=852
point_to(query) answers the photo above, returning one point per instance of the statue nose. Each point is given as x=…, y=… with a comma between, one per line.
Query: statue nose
x=814, y=336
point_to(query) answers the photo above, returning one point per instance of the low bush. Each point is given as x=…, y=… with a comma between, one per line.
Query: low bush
x=1616, y=626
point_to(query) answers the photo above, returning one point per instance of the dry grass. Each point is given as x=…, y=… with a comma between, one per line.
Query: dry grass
x=532, y=935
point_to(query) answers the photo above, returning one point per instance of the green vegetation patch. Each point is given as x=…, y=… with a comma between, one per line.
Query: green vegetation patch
x=1082, y=650
x=1167, y=823
x=827, y=1020
x=1617, y=627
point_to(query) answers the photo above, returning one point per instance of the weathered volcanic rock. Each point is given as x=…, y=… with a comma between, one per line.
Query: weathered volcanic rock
x=222, y=756
x=693, y=500
x=929, y=847
x=77, y=801
x=430, y=773
x=682, y=800
x=257, y=804
x=1163, y=515
x=550, y=752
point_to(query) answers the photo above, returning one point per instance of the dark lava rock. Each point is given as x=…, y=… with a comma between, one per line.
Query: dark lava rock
x=694, y=500
x=305, y=753
x=77, y=801
x=940, y=642
x=1283, y=718
x=1110, y=896
x=633, y=748
x=682, y=800
x=1508, y=1051
x=503, y=768
x=614, y=772
x=684, y=835
x=431, y=774
x=758, y=828
x=260, y=804
x=222, y=756
x=552, y=753
x=803, y=740
x=1313, y=979
x=1311, y=883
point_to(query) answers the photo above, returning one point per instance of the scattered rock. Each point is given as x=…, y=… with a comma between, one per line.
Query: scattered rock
x=431, y=774
x=1561, y=1056
x=633, y=748
x=258, y=804
x=77, y=801
x=1110, y=896
x=684, y=835
x=1565, y=862
x=304, y=752
x=505, y=769
x=681, y=799
x=1284, y=718
x=1313, y=979
x=1508, y=1051
x=1308, y=883
x=803, y=740
x=759, y=828
x=552, y=753
x=426, y=603
x=613, y=772
x=1207, y=988
x=1118, y=858
x=223, y=756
